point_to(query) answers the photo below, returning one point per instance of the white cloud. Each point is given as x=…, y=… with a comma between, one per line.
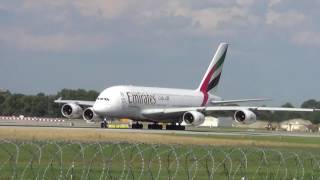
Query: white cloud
x=208, y=18
x=273, y=3
x=3, y=7
x=99, y=8
x=103, y=8
x=214, y=20
x=309, y=38
x=286, y=19
x=245, y=2
x=53, y=42
x=36, y=4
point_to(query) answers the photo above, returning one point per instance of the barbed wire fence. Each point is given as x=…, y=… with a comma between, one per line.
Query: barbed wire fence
x=118, y=160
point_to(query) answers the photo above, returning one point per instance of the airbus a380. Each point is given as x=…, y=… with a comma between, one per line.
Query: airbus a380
x=166, y=105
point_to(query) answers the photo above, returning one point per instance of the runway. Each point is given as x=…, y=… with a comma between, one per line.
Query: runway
x=215, y=132
x=192, y=131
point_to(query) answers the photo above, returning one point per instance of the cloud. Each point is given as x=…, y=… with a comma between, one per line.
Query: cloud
x=99, y=8
x=308, y=38
x=206, y=18
x=59, y=42
x=102, y=8
x=245, y=2
x=3, y=7
x=287, y=19
x=215, y=20
x=273, y=3
x=35, y=4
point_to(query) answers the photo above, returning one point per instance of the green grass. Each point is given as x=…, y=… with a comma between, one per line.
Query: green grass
x=54, y=159
x=95, y=155
x=275, y=139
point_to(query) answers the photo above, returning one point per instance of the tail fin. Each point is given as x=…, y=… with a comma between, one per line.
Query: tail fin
x=211, y=78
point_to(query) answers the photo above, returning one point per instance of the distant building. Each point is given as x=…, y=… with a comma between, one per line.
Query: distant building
x=226, y=122
x=296, y=125
x=255, y=125
x=210, y=122
x=314, y=128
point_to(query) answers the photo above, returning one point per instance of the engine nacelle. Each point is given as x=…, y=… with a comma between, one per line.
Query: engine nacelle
x=245, y=116
x=71, y=110
x=89, y=115
x=194, y=118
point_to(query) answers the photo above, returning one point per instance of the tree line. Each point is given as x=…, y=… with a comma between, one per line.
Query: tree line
x=42, y=105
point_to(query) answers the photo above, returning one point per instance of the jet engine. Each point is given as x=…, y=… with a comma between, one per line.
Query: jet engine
x=245, y=116
x=89, y=115
x=71, y=110
x=194, y=118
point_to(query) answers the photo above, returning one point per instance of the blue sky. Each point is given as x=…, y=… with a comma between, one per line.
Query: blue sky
x=93, y=44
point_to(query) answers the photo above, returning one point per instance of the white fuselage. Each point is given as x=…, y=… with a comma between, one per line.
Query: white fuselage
x=130, y=101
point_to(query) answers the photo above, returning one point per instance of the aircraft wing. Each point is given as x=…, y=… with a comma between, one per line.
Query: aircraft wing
x=84, y=103
x=237, y=101
x=210, y=109
x=257, y=108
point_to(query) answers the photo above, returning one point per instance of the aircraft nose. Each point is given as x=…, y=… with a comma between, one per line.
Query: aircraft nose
x=99, y=109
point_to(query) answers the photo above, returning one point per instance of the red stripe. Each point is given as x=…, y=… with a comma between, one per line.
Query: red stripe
x=205, y=98
x=204, y=86
x=206, y=82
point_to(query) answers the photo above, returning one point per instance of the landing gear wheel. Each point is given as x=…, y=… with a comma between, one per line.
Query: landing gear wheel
x=103, y=124
x=154, y=126
x=175, y=127
x=181, y=128
x=137, y=126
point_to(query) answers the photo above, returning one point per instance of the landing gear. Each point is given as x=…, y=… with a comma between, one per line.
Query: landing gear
x=154, y=126
x=175, y=127
x=137, y=126
x=104, y=124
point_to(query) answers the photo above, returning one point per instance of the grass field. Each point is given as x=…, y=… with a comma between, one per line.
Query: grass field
x=86, y=134
x=53, y=153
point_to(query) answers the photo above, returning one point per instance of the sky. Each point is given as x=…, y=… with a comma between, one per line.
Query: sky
x=48, y=45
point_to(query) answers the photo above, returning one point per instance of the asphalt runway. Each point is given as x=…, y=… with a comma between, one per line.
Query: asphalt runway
x=213, y=132
x=190, y=131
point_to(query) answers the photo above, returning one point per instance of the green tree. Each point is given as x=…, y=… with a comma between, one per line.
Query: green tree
x=313, y=117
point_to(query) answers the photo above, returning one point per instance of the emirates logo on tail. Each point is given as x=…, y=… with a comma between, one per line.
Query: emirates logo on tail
x=212, y=76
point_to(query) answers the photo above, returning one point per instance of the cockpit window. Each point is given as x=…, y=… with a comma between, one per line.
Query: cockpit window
x=103, y=99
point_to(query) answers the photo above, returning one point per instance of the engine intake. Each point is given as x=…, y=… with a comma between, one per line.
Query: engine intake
x=245, y=116
x=89, y=115
x=193, y=118
x=71, y=111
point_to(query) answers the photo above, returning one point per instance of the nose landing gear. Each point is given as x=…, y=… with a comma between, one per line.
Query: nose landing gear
x=104, y=124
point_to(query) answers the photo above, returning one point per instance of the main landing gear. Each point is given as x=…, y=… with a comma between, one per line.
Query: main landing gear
x=137, y=126
x=173, y=126
x=154, y=126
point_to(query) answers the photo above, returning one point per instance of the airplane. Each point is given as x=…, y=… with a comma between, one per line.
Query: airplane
x=167, y=105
